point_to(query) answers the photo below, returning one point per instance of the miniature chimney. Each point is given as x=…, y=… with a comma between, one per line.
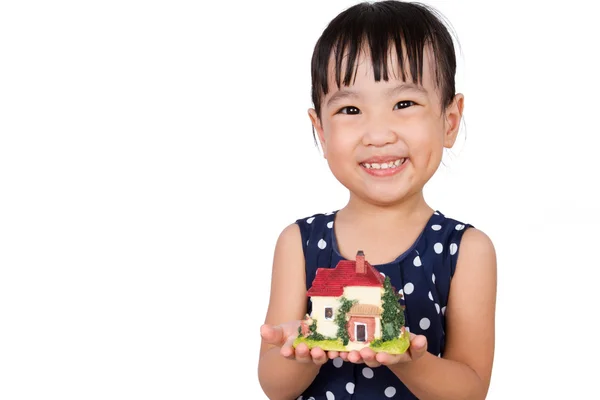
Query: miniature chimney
x=360, y=262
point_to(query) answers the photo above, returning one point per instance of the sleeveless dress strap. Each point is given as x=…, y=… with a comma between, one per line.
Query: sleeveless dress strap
x=438, y=251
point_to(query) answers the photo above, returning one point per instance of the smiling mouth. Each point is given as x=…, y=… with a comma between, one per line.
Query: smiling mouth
x=387, y=165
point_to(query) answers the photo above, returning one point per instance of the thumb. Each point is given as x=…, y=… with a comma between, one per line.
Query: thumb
x=272, y=334
x=418, y=346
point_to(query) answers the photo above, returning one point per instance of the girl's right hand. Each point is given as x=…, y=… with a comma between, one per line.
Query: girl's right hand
x=283, y=336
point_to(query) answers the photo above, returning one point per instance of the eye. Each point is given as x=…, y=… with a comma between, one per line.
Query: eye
x=404, y=104
x=350, y=110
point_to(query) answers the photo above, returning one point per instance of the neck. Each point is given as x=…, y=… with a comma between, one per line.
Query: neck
x=409, y=208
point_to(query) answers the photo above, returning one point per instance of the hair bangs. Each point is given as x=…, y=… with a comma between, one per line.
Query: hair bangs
x=380, y=28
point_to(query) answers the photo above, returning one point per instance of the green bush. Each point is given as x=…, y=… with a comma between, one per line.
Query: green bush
x=340, y=319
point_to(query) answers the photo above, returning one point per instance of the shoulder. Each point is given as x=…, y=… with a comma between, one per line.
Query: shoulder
x=468, y=244
x=294, y=235
x=476, y=242
x=476, y=267
x=477, y=259
x=469, y=235
x=289, y=237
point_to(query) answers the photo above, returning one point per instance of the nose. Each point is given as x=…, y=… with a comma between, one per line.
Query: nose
x=379, y=132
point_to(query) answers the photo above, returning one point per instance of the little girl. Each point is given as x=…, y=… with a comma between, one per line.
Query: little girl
x=385, y=108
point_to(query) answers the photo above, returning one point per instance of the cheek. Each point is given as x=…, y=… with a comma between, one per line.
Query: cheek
x=426, y=146
x=341, y=143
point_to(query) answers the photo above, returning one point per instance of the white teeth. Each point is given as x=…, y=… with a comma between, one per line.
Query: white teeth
x=390, y=164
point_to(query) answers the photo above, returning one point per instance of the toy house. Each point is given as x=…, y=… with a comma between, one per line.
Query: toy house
x=353, y=306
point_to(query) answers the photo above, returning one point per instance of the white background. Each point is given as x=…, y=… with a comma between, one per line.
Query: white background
x=151, y=152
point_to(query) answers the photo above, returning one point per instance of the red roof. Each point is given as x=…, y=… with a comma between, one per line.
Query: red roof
x=332, y=281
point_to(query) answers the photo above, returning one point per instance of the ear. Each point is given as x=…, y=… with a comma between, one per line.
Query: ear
x=453, y=117
x=318, y=128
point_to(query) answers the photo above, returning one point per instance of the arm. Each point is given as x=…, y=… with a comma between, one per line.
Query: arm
x=465, y=370
x=282, y=378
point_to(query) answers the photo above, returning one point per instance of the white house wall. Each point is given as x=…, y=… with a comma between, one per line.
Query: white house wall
x=366, y=294
x=325, y=327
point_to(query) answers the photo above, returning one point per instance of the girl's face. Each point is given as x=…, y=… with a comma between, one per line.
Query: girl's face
x=384, y=140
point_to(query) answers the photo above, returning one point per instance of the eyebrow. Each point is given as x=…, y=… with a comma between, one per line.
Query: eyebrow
x=340, y=95
x=351, y=94
x=406, y=87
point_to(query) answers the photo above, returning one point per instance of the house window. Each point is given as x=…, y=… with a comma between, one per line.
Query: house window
x=328, y=312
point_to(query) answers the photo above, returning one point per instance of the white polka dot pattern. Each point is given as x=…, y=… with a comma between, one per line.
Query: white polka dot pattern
x=417, y=261
x=350, y=387
x=390, y=391
x=367, y=372
x=453, y=248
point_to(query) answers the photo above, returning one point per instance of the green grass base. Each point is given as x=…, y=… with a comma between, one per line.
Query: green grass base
x=394, y=346
x=327, y=344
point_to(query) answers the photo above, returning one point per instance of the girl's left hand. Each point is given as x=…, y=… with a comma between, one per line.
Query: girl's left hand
x=418, y=347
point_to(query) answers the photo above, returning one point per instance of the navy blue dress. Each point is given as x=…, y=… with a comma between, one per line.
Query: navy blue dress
x=422, y=273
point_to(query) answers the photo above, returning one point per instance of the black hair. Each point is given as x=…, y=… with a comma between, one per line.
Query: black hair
x=408, y=27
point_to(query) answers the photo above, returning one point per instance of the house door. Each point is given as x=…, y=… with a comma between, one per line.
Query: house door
x=361, y=332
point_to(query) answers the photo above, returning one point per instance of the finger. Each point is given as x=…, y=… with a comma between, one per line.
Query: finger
x=344, y=355
x=391, y=359
x=354, y=357
x=418, y=347
x=303, y=353
x=272, y=334
x=333, y=354
x=368, y=356
x=290, y=328
x=318, y=355
x=287, y=350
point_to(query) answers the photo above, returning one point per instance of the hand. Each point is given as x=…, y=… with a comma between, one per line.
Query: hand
x=418, y=347
x=283, y=336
